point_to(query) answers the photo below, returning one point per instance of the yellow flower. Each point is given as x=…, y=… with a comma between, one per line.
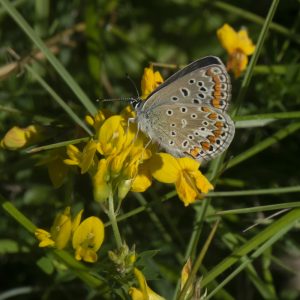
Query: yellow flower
x=124, y=152
x=61, y=228
x=87, y=236
x=150, y=81
x=185, y=273
x=85, y=159
x=75, y=156
x=144, y=292
x=17, y=138
x=142, y=180
x=44, y=237
x=190, y=183
x=60, y=231
x=238, y=46
x=96, y=121
x=87, y=239
x=101, y=181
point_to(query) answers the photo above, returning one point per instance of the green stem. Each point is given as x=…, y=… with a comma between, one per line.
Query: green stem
x=270, y=116
x=279, y=135
x=113, y=221
x=198, y=263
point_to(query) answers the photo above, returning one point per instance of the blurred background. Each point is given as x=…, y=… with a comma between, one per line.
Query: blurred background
x=99, y=42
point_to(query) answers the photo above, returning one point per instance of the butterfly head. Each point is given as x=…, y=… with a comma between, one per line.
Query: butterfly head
x=136, y=103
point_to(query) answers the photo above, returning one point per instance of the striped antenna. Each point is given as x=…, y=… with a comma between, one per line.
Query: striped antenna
x=126, y=99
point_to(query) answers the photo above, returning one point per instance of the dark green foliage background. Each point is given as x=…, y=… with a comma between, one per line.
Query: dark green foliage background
x=123, y=37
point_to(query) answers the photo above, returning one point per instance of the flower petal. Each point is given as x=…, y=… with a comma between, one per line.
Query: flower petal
x=89, y=234
x=44, y=237
x=142, y=180
x=88, y=155
x=228, y=38
x=150, y=81
x=164, y=168
x=76, y=220
x=101, y=181
x=112, y=135
x=245, y=43
x=61, y=228
x=186, y=189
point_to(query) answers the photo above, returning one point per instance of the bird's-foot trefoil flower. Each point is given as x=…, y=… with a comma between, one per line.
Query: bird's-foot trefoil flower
x=150, y=81
x=238, y=46
x=143, y=292
x=87, y=239
x=190, y=183
x=18, y=138
x=86, y=236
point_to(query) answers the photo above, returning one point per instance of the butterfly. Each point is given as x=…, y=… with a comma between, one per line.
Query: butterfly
x=186, y=114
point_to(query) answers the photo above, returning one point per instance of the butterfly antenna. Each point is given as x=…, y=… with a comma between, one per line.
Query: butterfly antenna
x=127, y=99
x=133, y=84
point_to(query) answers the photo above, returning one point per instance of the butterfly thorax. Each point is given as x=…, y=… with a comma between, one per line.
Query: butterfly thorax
x=136, y=103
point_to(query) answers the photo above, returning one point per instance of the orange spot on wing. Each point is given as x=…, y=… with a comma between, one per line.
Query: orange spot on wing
x=195, y=152
x=205, y=145
x=216, y=103
x=217, y=133
x=219, y=124
x=205, y=109
x=212, y=138
x=212, y=116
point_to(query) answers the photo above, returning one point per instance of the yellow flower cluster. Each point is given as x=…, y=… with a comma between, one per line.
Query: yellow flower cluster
x=87, y=236
x=127, y=162
x=238, y=46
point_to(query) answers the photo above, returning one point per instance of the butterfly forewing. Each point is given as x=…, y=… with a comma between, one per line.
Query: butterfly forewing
x=207, y=84
x=187, y=113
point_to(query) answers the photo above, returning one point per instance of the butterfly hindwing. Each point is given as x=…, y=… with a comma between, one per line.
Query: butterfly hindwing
x=182, y=130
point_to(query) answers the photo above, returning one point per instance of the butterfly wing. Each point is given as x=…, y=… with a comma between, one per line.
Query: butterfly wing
x=204, y=81
x=187, y=113
x=188, y=130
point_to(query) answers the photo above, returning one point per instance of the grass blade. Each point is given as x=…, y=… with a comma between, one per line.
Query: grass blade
x=65, y=75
